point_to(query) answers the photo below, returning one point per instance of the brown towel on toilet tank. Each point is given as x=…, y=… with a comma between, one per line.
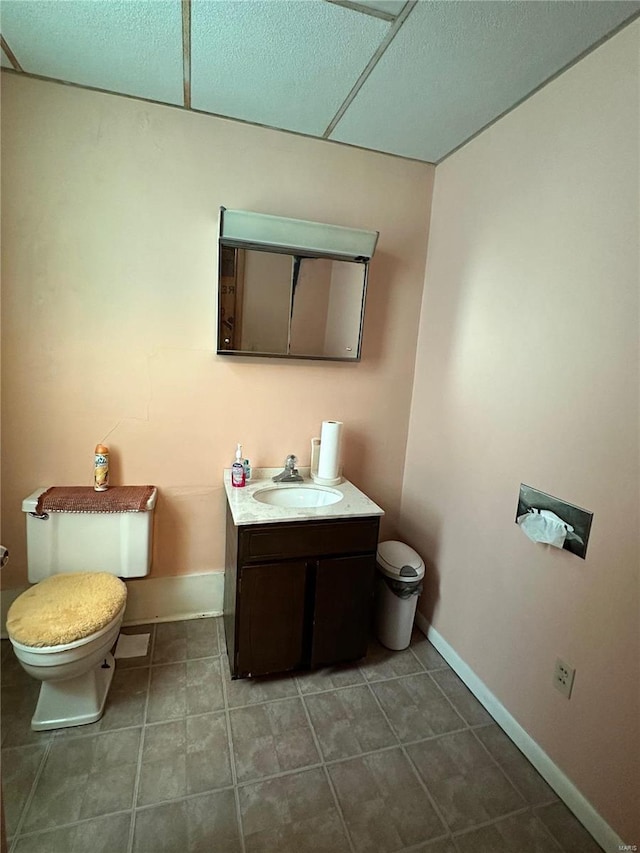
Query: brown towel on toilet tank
x=86, y=499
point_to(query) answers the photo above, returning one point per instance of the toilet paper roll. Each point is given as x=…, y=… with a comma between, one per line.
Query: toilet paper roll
x=329, y=459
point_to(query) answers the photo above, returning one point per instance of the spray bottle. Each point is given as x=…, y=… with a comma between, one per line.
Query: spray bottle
x=101, y=468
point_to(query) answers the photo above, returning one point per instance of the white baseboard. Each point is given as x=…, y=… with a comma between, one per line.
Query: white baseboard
x=166, y=599
x=606, y=837
x=172, y=599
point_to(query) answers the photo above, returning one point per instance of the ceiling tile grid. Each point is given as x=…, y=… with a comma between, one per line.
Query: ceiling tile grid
x=133, y=47
x=456, y=66
x=416, y=79
x=392, y=7
x=288, y=65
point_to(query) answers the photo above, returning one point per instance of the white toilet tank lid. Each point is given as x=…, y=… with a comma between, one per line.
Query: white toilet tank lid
x=30, y=502
x=394, y=555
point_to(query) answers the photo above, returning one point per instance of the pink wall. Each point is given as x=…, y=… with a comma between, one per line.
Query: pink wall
x=527, y=371
x=110, y=212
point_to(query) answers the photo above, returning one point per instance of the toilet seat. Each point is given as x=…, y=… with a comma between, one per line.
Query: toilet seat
x=65, y=611
x=38, y=653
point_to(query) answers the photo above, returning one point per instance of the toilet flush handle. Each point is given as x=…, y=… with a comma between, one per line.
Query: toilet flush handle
x=43, y=516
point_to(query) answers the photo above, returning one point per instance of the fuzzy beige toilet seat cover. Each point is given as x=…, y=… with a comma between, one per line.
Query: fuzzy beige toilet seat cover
x=65, y=608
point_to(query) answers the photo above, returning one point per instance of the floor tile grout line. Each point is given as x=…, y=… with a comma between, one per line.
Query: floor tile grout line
x=554, y=797
x=146, y=807
x=429, y=738
x=549, y=833
x=221, y=654
x=180, y=660
x=67, y=738
x=281, y=774
x=423, y=846
x=384, y=713
x=410, y=647
x=336, y=800
x=395, y=746
x=80, y=822
x=411, y=764
x=314, y=735
x=365, y=681
x=31, y=795
x=136, y=786
x=425, y=788
x=501, y=768
x=460, y=833
x=80, y=733
x=232, y=757
x=443, y=666
x=224, y=661
x=325, y=771
x=452, y=703
x=333, y=761
x=42, y=743
x=414, y=769
x=457, y=833
x=448, y=834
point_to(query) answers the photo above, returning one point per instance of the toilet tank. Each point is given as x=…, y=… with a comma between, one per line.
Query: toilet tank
x=116, y=542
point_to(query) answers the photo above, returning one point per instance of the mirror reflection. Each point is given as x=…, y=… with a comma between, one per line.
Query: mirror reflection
x=289, y=305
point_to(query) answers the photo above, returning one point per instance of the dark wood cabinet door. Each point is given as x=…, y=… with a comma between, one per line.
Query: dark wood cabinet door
x=270, y=613
x=342, y=612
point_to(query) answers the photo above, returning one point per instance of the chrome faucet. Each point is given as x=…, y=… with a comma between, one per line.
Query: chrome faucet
x=290, y=473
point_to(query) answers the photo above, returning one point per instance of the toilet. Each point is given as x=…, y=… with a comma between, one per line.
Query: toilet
x=64, y=628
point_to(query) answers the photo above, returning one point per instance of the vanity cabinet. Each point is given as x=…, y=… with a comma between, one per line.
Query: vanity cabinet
x=298, y=594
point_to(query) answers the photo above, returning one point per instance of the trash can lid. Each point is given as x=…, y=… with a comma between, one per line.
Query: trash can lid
x=399, y=561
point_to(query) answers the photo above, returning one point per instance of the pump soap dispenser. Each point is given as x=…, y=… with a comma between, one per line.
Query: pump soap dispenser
x=237, y=469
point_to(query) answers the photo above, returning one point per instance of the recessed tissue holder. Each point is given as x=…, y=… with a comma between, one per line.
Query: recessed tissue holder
x=552, y=521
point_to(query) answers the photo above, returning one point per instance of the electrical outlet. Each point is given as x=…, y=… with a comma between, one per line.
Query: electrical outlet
x=563, y=676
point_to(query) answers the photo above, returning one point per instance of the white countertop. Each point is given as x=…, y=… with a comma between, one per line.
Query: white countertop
x=246, y=510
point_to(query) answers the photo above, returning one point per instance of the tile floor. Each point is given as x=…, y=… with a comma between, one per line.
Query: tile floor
x=392, y=755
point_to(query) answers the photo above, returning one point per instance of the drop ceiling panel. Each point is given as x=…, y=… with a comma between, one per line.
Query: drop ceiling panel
x=283, y=64
x=129, y=46
x=454, y=67
x=391, y=7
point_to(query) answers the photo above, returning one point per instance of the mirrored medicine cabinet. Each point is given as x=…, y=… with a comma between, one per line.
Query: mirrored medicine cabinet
x=288, y=288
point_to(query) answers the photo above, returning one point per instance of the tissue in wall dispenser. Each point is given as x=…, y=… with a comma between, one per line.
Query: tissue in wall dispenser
x=325, y=454
x=542, y=525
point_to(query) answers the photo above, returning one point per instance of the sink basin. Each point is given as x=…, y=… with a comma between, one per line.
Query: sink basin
x=297, y=496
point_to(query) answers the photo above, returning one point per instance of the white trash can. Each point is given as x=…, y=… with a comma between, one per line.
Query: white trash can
x=398, y=585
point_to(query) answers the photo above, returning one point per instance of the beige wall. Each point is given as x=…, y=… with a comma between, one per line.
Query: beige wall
x=110, y=213
x=344, y=309
x=310, y=305
x=527, y=371
x=266, y=301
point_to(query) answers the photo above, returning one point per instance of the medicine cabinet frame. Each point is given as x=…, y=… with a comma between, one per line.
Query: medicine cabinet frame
x=243, y=235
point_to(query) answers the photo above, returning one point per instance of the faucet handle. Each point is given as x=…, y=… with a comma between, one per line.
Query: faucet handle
x=291, y=461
